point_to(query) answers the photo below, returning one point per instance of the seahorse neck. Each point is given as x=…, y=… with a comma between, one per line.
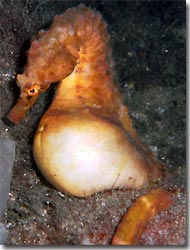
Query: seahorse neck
x=92, y=78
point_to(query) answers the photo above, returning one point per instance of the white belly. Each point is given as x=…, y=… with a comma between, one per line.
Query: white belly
x=84, y=154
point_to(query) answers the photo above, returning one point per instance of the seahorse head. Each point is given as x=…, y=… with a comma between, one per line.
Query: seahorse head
x=29, y=92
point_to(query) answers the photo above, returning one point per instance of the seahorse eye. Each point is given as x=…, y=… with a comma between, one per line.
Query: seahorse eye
x=33, y=90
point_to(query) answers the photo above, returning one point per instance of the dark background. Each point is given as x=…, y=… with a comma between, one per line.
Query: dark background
x=148, y=42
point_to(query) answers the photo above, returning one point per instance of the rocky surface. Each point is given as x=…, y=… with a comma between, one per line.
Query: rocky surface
x=148, y=42
x=7, y=157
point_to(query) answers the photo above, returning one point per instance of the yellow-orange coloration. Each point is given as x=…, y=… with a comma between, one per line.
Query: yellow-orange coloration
x=133, y=223
x=85, y=141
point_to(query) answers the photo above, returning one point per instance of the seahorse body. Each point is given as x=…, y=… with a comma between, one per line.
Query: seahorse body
x=85, y=141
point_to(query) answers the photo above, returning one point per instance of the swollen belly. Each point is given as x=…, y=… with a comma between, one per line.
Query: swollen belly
x=83, y=154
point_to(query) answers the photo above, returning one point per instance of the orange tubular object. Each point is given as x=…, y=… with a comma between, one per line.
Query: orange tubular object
x=20, y=109
x=140, y=213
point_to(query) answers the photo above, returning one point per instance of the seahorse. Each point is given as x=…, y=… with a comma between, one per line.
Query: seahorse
x=85, y=142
